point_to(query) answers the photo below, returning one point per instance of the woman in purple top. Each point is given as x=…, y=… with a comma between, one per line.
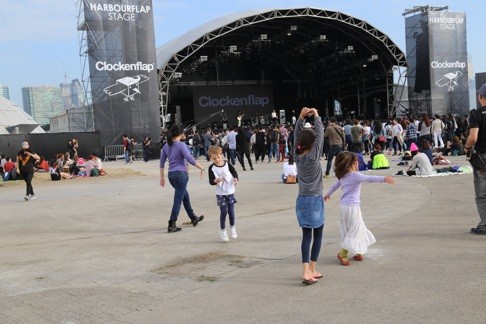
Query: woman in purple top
x=355, y=237
x=178, y=154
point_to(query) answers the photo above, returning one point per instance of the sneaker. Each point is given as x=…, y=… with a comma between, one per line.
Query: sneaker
x=233, y=232
x=223, y=235
x=32, y=197
x=326, y=176
x=26, y=197
x=478, y=230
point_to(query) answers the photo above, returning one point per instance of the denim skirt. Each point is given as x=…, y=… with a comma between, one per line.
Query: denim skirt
x=310, y=211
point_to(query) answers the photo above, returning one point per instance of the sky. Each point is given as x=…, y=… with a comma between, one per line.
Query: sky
x=39, y=41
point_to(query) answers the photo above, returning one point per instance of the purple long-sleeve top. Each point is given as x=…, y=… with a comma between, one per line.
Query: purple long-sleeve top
x=177, y=154
x=351, y=186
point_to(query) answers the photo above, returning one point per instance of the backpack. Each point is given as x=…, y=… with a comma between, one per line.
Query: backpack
x=260, y=138
x=274, y=136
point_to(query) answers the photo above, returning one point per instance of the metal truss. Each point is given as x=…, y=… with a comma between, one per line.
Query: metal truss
x=166, y=73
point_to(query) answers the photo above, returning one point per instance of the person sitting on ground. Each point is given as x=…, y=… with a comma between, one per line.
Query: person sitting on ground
x=362, y=165
x=100, y=165
x=91, y=167
x=455, y=147
x=289, y=167
x=420, y=163
x=67, y=161
x=378, y=158
x=76, y=169
x=9, y=170
x=42, y=165
x=426, y=148
x=54, y=171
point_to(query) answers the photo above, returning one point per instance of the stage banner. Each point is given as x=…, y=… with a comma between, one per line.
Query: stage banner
x=248, y=101
x=448, y=62
x=123, y=71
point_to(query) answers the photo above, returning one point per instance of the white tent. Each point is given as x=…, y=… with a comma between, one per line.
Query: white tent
x=14, y=120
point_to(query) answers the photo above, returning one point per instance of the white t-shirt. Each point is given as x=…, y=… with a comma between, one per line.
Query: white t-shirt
x=289, y=169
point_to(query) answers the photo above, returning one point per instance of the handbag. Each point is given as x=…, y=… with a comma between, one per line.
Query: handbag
x=477, y=161
x=291, y=179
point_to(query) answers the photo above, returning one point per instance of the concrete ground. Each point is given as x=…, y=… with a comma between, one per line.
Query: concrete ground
x=96, y=250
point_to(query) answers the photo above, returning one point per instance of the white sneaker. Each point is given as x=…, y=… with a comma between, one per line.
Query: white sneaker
x=223, y=235
x=32, y=197
x=26, y=197
x=233, y=232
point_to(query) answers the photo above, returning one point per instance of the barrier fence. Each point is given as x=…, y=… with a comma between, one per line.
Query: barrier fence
x=116, y=152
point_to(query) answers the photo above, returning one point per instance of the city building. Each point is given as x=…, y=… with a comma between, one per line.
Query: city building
x=42, y=102
x=72, y=94
x=4, y=92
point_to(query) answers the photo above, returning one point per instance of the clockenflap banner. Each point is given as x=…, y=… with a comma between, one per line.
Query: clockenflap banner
x=123, y=71
x=448, y=63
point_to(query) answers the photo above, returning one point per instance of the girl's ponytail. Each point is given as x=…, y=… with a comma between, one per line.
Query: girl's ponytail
x=174, y=131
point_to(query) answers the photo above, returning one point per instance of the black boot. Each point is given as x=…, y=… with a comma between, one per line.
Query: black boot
x=173, y=227
x=196, y=219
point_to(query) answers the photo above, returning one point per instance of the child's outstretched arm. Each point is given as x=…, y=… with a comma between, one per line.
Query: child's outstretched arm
x=389, y=180
x=330, y=191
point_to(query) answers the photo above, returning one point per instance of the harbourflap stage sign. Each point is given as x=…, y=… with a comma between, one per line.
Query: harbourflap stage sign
x=123, y=74
x=437, y=62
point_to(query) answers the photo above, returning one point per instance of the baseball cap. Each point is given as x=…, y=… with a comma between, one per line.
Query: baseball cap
x=482, y=90
x=307, y=125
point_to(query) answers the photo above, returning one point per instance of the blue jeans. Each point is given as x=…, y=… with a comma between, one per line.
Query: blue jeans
x=273, y=151
x=196, y=151
x=127, y=156
x=232, y=155
x=178, y=181
x=334, y=150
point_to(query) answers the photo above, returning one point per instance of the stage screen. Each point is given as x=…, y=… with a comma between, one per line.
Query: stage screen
x=248, y=100
x=123, y=71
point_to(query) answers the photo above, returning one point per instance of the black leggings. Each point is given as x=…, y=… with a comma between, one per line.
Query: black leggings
x=306, y=242
x=27, y=176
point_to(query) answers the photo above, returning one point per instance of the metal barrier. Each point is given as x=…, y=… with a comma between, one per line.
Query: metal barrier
x=115, y=152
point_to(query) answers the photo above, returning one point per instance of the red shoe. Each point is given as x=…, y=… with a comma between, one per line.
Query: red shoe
x=358, y=257
x=344, y=261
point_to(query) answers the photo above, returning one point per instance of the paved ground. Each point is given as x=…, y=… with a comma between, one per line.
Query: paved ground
x=97, y=251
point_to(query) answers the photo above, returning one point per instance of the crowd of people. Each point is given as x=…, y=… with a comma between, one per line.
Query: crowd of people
x=66, y=165
x=299, y=146
x=422, y=140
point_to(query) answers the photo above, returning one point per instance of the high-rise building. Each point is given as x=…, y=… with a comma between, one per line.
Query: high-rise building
x=42, y=102
x=72, y=94
x=4, y=92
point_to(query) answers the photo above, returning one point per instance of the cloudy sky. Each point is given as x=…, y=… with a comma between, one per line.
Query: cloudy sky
x=39, y=42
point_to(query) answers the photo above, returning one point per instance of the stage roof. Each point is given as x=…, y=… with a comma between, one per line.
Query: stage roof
x=320, y=52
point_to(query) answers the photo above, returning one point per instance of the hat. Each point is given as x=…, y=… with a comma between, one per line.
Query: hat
x=482, y=90
x=25, y=145
x=413, y=147
x=307, y=125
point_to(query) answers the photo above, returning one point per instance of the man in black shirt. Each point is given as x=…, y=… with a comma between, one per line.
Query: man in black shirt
x=477, y=138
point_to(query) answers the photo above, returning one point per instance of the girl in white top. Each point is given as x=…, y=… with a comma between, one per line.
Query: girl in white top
x=289, y=168
x=224, y=176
